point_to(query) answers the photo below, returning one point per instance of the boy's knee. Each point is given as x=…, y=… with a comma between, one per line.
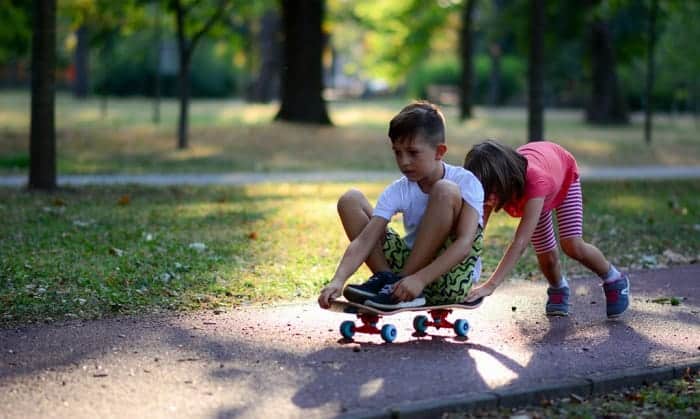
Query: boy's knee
x=446, y=191
x=350, y=197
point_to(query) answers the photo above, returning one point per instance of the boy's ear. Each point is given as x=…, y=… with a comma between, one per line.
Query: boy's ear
x=440, y=151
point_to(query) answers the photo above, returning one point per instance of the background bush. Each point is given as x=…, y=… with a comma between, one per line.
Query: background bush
x=128, y=67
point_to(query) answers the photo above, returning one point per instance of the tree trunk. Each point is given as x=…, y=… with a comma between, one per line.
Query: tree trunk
x=42, y=136
x=266, y=86
x=81, y=84
x=184, y=86
x=466, y=57
x=302, y=71
x=157, y=80
x=535, y=105
x=649, y=88
x=606, y=105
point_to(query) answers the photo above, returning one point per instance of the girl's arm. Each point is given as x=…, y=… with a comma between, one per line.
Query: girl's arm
x=411, y=286
x=523, y=234
x=354, y=256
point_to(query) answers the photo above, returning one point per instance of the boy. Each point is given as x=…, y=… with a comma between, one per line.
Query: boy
x=439, y=258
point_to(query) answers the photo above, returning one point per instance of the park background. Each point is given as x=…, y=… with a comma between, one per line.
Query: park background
x=213, y=87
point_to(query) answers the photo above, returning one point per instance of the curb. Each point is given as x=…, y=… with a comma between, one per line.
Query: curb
x=592, y=385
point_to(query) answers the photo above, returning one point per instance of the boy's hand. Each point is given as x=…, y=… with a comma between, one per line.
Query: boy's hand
x=329, y=293
x=408, y=289
x=478, y=292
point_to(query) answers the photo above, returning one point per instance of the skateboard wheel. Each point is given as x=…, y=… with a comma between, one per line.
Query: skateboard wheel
x=388, y=333
x=420, y=324
x=347, y=329
x=461, y=327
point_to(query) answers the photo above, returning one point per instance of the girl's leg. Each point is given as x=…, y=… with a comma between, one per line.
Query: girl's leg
x=444, y=206
x=615, y=285
x=570, y=219
x=545, y=245
x=355, y=212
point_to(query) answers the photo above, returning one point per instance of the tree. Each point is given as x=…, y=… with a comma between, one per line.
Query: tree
x=535, y=104
x=651, y=47
x=466, y=55
x=302, y=71
x=42, y=136
x=266, y=86
x=192, y=21
x=606, y=103
x=81, y=84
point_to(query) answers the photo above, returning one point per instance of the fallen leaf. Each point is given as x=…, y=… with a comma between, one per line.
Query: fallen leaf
x=124, y=200
x=253, y=235
x=200, y=247
x=674, y=257
x=577, y=398
x=116, y=252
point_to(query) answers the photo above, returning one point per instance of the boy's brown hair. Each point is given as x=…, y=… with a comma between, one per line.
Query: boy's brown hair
x=500, y=169
x=420, y=118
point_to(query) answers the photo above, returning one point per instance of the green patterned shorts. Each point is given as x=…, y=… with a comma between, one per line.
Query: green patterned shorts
x=451, y=287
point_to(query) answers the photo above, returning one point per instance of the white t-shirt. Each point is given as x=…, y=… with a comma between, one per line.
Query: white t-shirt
x=406, y=197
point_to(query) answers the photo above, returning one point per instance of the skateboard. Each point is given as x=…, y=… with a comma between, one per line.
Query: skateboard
x=370, y=316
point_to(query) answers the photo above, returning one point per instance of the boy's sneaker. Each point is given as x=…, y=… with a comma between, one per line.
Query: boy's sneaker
x=558, y=301
x=359, y=293
x=617, y=296
x=385, y=301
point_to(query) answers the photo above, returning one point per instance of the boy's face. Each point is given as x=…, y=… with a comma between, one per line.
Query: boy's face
x=417, y=159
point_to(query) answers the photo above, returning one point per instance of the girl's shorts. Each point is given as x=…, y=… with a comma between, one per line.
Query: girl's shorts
x=453, y=286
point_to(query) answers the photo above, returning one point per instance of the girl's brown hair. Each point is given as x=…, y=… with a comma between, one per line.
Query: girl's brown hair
x=500, y=169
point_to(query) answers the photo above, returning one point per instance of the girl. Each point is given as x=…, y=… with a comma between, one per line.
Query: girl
x=530, y=183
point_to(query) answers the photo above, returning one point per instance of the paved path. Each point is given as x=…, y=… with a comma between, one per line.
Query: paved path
x=288, y=360
x=241, y=178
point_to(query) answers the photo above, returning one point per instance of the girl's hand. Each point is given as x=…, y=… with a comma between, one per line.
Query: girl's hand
x=408, y=289
x=329, y=293
x=479, y=292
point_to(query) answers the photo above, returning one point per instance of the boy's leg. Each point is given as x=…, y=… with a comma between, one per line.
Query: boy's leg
x=453, y=287
x=444, y=206
x=355, y=212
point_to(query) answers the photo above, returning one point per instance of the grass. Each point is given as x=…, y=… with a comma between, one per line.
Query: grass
x=231, y=135
x=99, y=251
x=677, y=398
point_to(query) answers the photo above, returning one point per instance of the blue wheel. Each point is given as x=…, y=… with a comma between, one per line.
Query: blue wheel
x=461, y=327
x=419, y=324
x=347, y=329
x=388, y=333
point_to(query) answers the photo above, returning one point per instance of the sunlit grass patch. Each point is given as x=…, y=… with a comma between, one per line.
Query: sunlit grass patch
x=96, y=251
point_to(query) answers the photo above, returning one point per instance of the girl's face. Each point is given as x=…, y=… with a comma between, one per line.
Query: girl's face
x=417, y=159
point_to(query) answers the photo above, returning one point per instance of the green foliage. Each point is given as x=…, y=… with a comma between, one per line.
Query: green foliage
x=447, y=71
x=15, y=30
x=14, y=162
x=128, y=68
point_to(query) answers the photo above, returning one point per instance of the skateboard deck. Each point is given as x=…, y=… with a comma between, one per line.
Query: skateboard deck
x=344, y=306
x=370, y=316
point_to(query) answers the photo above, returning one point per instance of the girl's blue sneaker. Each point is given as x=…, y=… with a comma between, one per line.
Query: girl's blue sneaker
x=558, y=301
x=359, y=293
x=617, y=296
